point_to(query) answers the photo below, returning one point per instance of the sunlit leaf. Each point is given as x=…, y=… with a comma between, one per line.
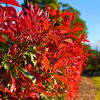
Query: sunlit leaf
x=41, y=90
x=58, y=65
x=12, y=2
x=13, y=88
x=6, y=66
x=46, y=62
x=61, y=46
x=61, y=79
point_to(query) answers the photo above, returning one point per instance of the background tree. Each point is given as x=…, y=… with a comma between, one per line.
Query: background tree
x=42, y=3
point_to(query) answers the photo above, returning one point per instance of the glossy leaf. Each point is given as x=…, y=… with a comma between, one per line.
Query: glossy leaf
x=61, y=79
x=61, y=46
x=58, y=65
x=28, y=23
x=12, y=2
x=40, y=89
x=43, y=57
x=46, y=62
x=13, y=88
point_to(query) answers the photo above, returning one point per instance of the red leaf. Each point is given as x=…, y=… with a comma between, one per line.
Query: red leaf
x=76, y=29
x=2, y=39
x=1, y=99
x=67, y=54
x=28, y=22
x=33, y=95
x=61, y=46
x=62, y=27
x=50, y=10
x=40, y=89
x=81, y=36
x=78, y=24
x=55, y=13
x=7, y=90
x=64, y=14
x=61, y=79
x=46, y=62
x=40, y=86
x=69, y=40
x=64, y=32
x=43, y=79
x=11, y=34
x=58, y=65
x=61, y=51
x=13, y=84
x=12, y=2
x=46, y=25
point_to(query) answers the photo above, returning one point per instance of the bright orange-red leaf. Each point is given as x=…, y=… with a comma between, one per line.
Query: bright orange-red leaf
x=46, y=62
x=43, y=79
x=41, y=91
x=68, y=13
x=58, y=65
x=46, y=25
x=12, y=2
x=61, y=27
x=13, y=84
x=61, y=46
x=53, y=12
x=67, y=54
x=40, y=86
x=64, y=31
x=69, y=40
x=61, y=79
x=28, y=22
x=76, y=29
x=78, y=24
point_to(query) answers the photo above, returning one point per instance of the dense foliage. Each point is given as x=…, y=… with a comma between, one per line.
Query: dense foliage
x=63, y=7
x=77, y=19
x=40, y=59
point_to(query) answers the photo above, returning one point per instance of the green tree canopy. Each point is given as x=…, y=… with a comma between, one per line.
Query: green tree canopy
x=42, y=3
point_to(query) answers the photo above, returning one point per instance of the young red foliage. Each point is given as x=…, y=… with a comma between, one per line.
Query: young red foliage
x=12, y=2
x=40, y=57
x=46, y=62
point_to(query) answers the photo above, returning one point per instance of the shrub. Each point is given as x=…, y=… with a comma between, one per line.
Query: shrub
x=40, y=58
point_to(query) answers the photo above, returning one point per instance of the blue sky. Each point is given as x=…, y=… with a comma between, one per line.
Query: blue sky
x=90, y=13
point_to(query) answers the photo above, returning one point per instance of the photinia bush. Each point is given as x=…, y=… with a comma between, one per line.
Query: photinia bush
x=41, y=58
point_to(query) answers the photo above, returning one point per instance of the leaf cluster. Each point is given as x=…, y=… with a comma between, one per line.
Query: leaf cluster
x=39, y=58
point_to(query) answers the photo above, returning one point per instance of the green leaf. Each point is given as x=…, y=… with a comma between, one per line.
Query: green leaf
x=26, y=53
x=27, y=74
x=1, y=49
x=6, y=37
x=33, y=59
x=6, y=66
x=5, y=59
x=43, y=96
